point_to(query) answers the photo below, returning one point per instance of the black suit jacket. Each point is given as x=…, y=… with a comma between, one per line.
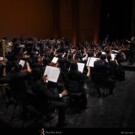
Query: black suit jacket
x=132, y=47
x=101, y=66
x=46, y=96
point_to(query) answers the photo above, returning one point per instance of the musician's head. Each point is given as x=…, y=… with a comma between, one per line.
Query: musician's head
x=37, y=73
x=73, y=66
x=103, y=56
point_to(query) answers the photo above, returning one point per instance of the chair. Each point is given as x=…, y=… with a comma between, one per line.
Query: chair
x=36, y=107
x=3, y=87
x=77, y=94
x=18, y=100
x=101, y=83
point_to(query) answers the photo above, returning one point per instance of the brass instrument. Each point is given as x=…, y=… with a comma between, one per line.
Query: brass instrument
x=3, y=53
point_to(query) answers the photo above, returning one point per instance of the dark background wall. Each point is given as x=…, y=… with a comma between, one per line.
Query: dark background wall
x=116, y=17
x=26, y=18
x=74, y=19
x=133, y=19
x=79, y=19
x=89, y=20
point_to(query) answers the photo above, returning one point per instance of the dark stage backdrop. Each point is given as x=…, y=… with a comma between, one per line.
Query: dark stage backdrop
x=116, y=18
x=133, y=19
x=73, y=19
x=26, y=18
x=80, y=19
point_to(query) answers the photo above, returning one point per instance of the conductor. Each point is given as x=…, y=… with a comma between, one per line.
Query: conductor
x=132, y=51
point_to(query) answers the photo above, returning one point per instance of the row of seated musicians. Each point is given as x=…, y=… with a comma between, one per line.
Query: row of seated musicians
x=31, y=89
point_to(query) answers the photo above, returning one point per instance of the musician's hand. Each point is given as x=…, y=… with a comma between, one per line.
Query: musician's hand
x=64, y=93
x=45, y=78
x=128, y=41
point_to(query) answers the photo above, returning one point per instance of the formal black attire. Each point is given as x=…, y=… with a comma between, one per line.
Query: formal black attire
x=132, y=53
x=19, y=85
x=49, y=99
x=75, y=76
x=103, y=68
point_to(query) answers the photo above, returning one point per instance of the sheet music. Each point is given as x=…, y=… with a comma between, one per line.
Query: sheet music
x=113, y=56
x=91, y=61
x=81, y=67
x=55, y=59
x=53, y=73
x=22, y=62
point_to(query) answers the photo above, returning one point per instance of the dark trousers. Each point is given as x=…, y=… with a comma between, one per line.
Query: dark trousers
x=61, y=106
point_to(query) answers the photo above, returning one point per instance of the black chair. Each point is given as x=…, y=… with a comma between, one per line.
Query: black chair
x=3, y=89
x=4, y=84
x=37, y=109
x=77, y=94
x=100, y=83
x=18, y=100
